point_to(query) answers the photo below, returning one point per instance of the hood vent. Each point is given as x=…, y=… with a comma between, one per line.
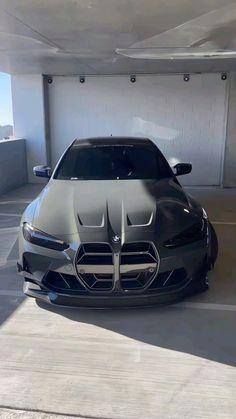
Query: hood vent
x=142, y=221
x=93, y=223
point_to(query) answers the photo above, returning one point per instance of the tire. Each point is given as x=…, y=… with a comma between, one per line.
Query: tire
x=203, y=286
x=198, y=286
x=213, y=245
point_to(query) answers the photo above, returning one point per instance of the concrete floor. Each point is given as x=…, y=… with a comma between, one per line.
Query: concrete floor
x=170, y=362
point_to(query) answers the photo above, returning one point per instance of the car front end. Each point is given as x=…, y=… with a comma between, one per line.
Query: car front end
x=94, y=267
x=113, y=227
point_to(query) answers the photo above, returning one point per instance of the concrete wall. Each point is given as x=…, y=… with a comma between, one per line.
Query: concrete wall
x=13, y=168
x=230, y=149
x=29, y=118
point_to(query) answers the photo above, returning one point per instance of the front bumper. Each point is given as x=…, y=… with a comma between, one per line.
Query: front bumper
x=193, y=261
x=111, y=301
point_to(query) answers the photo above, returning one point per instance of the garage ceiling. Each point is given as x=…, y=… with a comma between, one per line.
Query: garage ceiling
x=117, y=36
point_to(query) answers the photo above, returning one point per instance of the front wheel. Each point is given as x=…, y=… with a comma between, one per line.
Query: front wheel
x=213, y=245
x=199, y=285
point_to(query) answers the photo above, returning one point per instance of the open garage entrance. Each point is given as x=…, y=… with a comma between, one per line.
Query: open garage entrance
x=174, y=361
x=185, y=119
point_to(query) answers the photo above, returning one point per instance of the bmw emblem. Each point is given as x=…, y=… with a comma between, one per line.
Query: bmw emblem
x=116, y=239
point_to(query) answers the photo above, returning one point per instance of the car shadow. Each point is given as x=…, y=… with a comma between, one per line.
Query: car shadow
x=11, y=295
x=203, y=333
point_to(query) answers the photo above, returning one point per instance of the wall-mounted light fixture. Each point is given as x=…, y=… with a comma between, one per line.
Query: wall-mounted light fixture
x=50, y=80
x=223, y=76
x=82, y=79
x=133, y=78
x=186, y=77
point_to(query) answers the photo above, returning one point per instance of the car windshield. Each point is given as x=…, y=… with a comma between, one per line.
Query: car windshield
x=106, y=162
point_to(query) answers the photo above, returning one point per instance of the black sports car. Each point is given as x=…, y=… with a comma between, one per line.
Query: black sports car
x=113, y=227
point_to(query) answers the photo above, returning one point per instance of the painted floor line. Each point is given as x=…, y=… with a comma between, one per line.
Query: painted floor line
x=11, y=293
x=20, y=201
x=5, y=214
x=224, y=222
x=42, y=413
x=9, y=230
x=207, y=306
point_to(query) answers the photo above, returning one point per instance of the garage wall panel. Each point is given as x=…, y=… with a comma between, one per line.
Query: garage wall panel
x=29, y=119
x=185, y=119
x=230, y=147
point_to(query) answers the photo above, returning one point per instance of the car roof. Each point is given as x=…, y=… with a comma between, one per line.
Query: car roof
x=113, y=141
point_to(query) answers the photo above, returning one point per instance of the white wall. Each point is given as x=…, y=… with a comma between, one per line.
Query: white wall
x=186, y=120
x=29, y=118
x=230, y=150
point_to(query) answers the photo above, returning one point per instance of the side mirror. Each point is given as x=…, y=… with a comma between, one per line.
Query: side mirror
x=182, y=169
x=42, y=171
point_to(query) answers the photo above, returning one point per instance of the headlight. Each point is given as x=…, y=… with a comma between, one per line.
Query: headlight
x=32, y=235
x=192, y=234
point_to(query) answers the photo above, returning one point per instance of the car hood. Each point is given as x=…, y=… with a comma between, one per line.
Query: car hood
x=99, y=210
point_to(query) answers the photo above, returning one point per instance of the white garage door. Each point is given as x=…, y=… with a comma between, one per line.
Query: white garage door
x=185, y=119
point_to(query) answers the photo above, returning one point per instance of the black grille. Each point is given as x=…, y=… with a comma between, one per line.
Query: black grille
x=95, y=260
x=137, y=271
x=95, y=254
x=95, y=266
x=102, y=282
x=97, y=248
x=134, y=282
x=140, y=263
